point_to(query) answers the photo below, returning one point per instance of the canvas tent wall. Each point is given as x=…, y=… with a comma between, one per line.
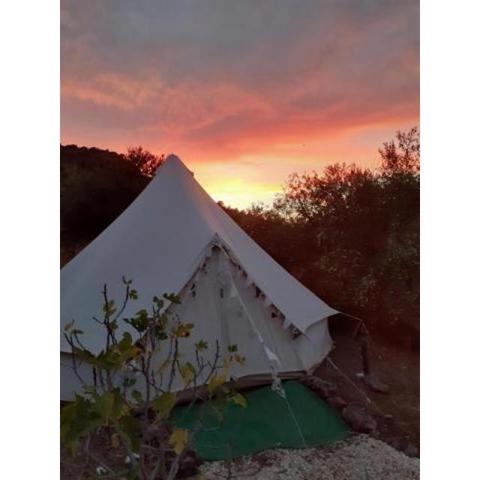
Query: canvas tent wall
x=175, y=237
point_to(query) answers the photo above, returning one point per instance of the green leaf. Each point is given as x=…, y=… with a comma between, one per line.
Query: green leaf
x=233, y=348
x=133, y=294
x=110, y=406
x=187, y=371
x=163, y=366
x=158, y=302
x=160, y=334
x=239, y=400
x=76, y=420
x=109, y=308
x=125, y=343
x=131, y=429
x=226, y=363
x=201, y=345
x=183, y=330
x=178, y=440
x=84, y=355
x=215, y=382
x=104, y=405
x=140, y=321
x=172, y=297
x=163, y=405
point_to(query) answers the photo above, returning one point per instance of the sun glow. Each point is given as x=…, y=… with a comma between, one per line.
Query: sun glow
x=242, y=107
x=240, y=193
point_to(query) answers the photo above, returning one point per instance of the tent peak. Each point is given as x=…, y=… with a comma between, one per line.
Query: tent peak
x=174, y=160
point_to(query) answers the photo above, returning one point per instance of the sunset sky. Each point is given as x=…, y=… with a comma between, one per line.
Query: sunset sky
x=245, y=92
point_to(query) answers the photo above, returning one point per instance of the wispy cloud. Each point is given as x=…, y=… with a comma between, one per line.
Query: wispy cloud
x=223, y=81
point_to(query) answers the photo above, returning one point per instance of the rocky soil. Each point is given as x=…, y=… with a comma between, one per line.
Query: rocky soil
x=360, y=457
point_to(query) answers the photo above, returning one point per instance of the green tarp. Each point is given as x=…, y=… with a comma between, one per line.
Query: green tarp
x=267, y=421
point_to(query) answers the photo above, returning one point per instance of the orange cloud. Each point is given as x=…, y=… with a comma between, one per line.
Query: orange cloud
x=245, y=94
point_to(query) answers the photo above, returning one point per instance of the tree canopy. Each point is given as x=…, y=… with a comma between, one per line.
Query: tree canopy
x=350, y=234
x=145, y=161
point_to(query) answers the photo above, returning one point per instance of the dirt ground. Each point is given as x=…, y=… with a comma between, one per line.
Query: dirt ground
x=399, y=368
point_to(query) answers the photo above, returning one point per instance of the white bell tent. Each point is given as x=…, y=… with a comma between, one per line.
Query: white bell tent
x=175, y=238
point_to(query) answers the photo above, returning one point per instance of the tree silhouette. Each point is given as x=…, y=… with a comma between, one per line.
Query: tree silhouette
x=144, y=160
x=402, y=155
x=351, y=234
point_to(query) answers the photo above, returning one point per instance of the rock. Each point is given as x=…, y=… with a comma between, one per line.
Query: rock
x=359, y=419
x=388, y=420
x=375, y=384
x=360, y=457
x=320, y=387
x=337, y=402
x=411, y=451
x=397, y=444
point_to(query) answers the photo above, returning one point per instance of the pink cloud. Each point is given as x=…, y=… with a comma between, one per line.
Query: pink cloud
x=253, y=82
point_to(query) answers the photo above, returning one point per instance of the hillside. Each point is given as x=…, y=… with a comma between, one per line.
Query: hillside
x=96, y=186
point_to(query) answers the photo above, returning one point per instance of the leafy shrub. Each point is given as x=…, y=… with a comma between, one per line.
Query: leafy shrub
x=131, y=393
